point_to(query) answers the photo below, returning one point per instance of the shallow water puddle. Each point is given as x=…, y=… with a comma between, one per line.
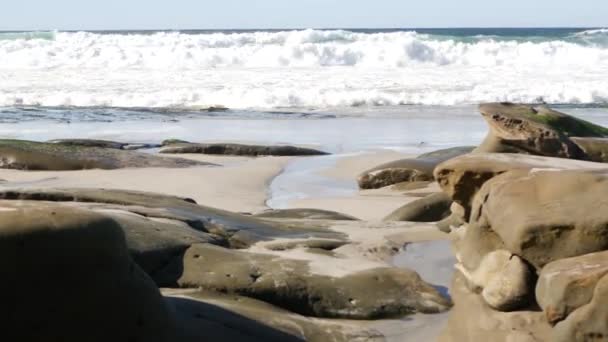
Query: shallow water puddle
x=433, y=260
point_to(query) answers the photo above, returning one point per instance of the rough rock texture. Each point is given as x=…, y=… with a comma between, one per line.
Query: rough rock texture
x=463, y=176
x=240, y=231
x=472, y=320
x=29, y=155
x=588, y=323
x=67, y=276
x=455, y=220
x=567, y=284
x=239, y=149
x=504, y=280
x=154, y=243
x=536, y=130
x=208, y=316
x=312, y=214
x=408, y=170
x=431, y=208
x=168, y=142
x=596, y=149
x=289, y=284
x=541, y=216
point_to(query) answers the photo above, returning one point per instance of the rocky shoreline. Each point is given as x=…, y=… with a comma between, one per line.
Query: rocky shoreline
x=130, y=233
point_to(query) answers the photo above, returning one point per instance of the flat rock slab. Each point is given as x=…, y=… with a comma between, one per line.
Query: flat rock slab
x=240, y=230
x=289, y=284
x=240, y=149
x=408, y=170
x=209, y=316
x=30, y=155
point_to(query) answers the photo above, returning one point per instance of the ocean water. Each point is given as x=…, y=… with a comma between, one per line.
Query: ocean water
x=302, y=69
x=344, y=90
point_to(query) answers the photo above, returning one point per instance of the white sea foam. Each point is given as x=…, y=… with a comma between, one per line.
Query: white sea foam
x=308, y=68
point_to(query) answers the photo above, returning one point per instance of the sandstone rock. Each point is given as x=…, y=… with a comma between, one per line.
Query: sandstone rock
x=588, y=323
x=596, y=149
x=154, y=243
x=219, y=317
x=541, y=216
x=313, y=214
x=504, y=280
x=289, y=284
x=472, y=320
x=568, y=284
x=239, y=230
x=463, y=176
x=432, y=208
x=168, y=142
x=89, y=143
x=67, y=276
x=536, y=130
x=240, y=150
x=455, y=220
x=29, y=155
x=407, y=170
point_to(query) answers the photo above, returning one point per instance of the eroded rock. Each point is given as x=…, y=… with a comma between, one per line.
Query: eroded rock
x=432, y=208
x=67, y=276
x=30, y=155
x=462, y=177
x=408, y=170
x=536, y=130
x=289, y=284
x=541, y=216
x=221, y=317
x=567, y=284
x=239, y=149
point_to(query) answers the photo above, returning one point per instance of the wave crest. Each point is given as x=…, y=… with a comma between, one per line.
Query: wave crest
x=306, y=48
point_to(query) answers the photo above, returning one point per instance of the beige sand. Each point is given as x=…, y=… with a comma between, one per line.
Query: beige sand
x=240, y=185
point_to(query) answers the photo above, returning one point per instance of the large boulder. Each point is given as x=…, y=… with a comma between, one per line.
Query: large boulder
x=290, y=284
x=568, y=284
x=541, y=216
x=462, y=177
x=588, y=323
x=30, y=155
x=504, y=280
x=431, y=208
x=240, y=149
x=408, y=170
x=535, y=130
x=67, y=276
x=472, y=320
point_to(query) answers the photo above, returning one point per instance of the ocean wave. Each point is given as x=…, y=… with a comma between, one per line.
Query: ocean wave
x=29, y=35
x=288, y=49
x=297, y=69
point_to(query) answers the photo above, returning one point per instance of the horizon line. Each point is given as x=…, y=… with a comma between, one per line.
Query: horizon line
x=304, y=28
